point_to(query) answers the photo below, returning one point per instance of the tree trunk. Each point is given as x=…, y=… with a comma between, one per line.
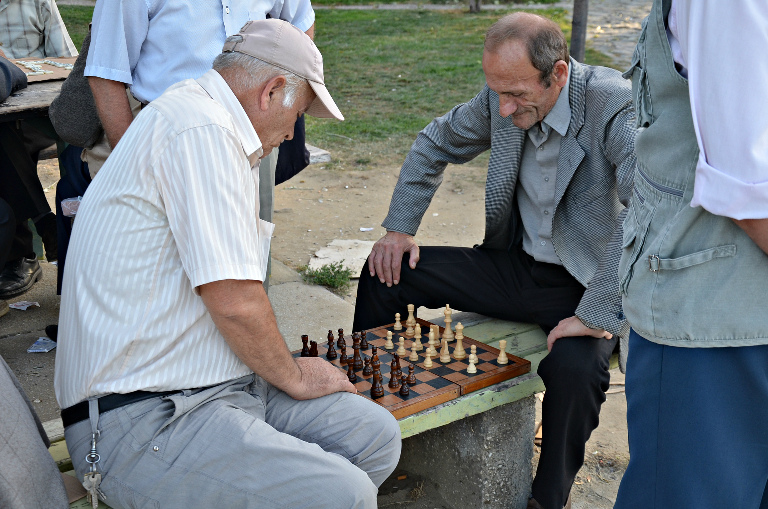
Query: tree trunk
x=579, y=29
x=475, y=5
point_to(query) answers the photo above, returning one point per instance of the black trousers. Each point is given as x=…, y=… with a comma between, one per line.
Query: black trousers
x=511, y=285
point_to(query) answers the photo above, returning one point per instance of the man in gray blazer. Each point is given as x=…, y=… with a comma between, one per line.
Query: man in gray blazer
x=561, y=136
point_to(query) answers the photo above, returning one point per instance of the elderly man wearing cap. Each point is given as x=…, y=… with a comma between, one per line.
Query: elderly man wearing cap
x=177, y=387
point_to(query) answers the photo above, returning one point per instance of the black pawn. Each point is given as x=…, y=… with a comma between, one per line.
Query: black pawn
x=343, y=358
x=330, y=335
x=363, y=341
x=394, y=382
x=377, y=390
x=367, y=368
x=331, y=354
x=357, y=360
x=305, y=348
x=341, y=338
x=404, y=390
x=411, y=376
x=313, y=348
x=351, y=376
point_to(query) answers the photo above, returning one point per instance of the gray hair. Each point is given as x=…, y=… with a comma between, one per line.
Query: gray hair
x=543, y=38
x=258, y=72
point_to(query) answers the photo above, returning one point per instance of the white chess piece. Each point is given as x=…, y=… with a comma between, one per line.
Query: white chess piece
x=401, y=349
x=417, y=338
x=414, y=356
x=503, y=359
x=448, y=332
x=431, y=343
x=459, y=352
x=410, y=322
x=428, y=360
x=398, y=325
x=388, y=344
x=445, y=355
x=473, y=353
x=471, y=368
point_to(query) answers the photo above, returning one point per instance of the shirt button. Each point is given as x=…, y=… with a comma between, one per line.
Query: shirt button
x=227, y=9
x=543, y=243
x=541, y=147
x=546, y=212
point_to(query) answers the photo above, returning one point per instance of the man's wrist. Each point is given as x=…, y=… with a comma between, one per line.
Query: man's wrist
x=587, y=324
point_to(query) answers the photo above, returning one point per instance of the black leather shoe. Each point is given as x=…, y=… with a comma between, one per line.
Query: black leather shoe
x=18, y=276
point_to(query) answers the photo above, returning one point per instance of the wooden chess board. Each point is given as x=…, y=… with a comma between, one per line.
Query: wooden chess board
x=438, y=384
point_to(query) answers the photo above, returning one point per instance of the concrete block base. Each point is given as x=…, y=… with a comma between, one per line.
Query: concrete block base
x=482, y=461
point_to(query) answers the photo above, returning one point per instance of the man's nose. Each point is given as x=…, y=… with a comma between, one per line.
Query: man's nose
x=507, y=107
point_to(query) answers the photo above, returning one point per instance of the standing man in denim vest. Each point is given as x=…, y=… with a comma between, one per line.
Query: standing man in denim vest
x=694, y=271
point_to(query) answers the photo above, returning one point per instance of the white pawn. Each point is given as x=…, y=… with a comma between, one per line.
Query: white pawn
x=503, y=359
x=414, y=357
x=388, y=344
x=473, y=354
x=401, y=349
x=445, y=355
x=448, y=332
x=459, y=352
x=471, y=368
x=428, y=360
x=398, y=325
x=417, y=338
x=431, y=343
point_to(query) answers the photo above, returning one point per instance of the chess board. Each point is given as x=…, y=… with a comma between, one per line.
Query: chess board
x=435, y=385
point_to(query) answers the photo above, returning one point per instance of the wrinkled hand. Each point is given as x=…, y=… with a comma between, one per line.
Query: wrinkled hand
x=318, y=378
x=386, y=257
x=572, y=327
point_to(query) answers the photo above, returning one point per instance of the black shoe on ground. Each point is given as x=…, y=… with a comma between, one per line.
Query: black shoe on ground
x=52, y=331
x=18, y=276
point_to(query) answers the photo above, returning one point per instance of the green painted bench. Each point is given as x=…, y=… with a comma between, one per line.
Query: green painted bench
x=487, y=435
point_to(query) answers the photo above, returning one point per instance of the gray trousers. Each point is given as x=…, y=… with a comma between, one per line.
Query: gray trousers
x=241, y=444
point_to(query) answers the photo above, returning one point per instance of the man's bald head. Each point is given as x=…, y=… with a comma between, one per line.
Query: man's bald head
x=542, y=37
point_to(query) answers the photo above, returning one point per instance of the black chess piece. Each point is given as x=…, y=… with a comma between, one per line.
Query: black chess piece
x=313, y=348
x=341, y=338
x=394, y=382
x=404, y=390
x=363, y=341
x=357, y=360
x=396, y=361
x=377, y=390
x=351, y=375
x=305, y=348
x=330, y=335
x=411, y=375
x=331, y=354
x=375, y=362
x=343, y=359
x=367, y=369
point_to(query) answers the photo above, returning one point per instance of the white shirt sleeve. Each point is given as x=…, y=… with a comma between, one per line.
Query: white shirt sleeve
x=118, y=31
x=298, y=13
x=212, y=200
x=722, y=44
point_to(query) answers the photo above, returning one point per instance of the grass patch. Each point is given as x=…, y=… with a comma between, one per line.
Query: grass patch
x=334, y=276
x=76, y=18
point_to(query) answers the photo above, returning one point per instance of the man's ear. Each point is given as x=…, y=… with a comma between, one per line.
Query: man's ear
x=273, y=91
x=560, y=73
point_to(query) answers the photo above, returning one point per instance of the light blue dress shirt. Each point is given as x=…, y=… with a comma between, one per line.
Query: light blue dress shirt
x=152, y=44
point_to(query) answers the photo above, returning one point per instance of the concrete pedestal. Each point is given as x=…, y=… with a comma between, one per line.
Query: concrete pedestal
x=481, y=461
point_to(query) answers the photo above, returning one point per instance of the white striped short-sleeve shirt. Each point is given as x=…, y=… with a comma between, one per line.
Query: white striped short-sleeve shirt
x=174, y=207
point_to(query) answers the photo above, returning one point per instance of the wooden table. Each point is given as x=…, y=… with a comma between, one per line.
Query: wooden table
x=30, y=102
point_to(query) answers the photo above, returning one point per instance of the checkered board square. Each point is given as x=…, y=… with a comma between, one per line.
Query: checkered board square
x=428, y=391
x=435, y=385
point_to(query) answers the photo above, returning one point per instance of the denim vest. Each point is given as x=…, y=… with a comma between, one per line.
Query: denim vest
x=687, y=277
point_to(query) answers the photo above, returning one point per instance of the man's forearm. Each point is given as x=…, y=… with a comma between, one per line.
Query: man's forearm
x=757, y=229
x=113, y=107
x=243, y=315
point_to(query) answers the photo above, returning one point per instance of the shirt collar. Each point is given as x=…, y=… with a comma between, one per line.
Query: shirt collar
x=559, y=116
x=219, y=90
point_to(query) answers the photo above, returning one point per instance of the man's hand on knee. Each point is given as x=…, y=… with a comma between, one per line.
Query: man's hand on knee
x=573, y=327
x=387, y=255
x=318, y=378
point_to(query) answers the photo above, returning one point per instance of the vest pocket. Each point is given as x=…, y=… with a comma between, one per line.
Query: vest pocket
x=641, y=92
x=655, y=263
x=635, y=230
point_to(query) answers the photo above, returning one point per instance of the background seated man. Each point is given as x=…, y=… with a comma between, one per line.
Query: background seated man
x=195, y=397
x=561, y=139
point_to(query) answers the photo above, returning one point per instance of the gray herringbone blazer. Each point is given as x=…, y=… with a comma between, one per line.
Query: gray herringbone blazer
x=594, y=181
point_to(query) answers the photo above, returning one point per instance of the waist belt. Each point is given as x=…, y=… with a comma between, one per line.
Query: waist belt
x=79, y=411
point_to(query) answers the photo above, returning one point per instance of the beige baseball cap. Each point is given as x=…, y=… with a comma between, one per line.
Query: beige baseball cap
x=281, y=44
